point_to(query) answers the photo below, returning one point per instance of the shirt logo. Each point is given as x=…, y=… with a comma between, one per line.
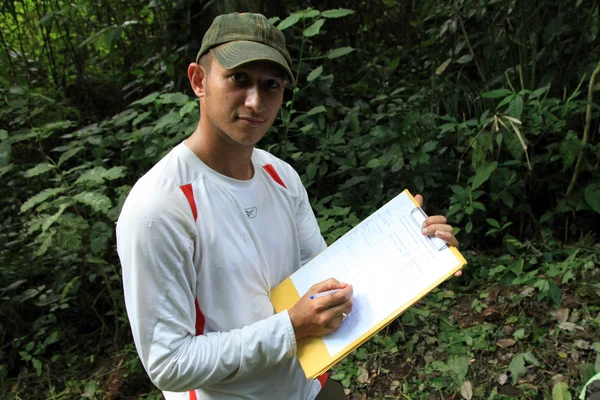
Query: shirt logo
x=251, y=212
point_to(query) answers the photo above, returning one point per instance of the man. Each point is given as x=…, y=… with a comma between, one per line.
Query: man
x=206, y=234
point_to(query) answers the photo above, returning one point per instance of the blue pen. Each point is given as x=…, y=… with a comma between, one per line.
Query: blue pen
x=326, y=293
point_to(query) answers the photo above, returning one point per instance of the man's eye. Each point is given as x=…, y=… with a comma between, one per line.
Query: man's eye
x=239, y=77
x=272, y=84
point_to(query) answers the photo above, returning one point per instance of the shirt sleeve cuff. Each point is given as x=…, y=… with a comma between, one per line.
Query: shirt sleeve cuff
x=290, y=334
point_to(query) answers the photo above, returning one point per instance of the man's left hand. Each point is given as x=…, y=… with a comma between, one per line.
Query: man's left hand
x=437, y=225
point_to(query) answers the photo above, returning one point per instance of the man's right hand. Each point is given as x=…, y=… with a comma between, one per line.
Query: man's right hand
x=322, y=315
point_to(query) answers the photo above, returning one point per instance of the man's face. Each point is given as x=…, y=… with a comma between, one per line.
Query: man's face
x=242, y=103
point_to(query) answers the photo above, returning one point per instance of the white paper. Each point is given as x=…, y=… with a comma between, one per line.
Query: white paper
x=388, y=261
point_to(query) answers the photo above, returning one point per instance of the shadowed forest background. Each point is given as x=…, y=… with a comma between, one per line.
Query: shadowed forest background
x=489, y=108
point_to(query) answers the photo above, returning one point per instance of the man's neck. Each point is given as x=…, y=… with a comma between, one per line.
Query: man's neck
x=228, y=159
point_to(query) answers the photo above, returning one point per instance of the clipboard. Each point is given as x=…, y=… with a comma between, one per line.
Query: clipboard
x=313, y=353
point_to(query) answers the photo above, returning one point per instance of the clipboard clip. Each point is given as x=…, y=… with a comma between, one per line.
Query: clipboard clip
x=419, y=216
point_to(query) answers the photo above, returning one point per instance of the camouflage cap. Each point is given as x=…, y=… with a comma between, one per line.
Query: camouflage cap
x=235, y=39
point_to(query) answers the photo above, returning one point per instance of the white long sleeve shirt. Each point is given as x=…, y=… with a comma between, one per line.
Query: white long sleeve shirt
x=200, y=254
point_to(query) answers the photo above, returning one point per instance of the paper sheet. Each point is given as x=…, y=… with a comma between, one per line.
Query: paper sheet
x=387, y=260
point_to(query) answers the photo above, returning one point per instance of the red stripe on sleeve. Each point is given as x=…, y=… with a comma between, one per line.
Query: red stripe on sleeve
x=189, y=195
x=271, y=171
x=323, y=379
x=193, y=395
x=200, y=320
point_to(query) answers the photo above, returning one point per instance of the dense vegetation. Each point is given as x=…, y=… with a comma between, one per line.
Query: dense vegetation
x=488, y=108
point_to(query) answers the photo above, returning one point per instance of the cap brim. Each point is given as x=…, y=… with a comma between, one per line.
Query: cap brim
x=234, y=54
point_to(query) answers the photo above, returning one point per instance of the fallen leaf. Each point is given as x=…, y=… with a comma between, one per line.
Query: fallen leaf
x=528, y=291
x=567, y=326
x=560, y=391
x=557, y=378
x=574, y=356
x=504, y=343
x=428, y=357
x=561, y=315
x=363, y=375
x=466, y=390
x=395, y=385
x=582, y=344
x=502, y=379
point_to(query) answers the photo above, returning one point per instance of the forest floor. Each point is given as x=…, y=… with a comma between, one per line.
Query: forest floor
x=512, y=327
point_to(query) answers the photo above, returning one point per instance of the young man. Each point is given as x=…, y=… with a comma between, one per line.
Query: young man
x=206, y=234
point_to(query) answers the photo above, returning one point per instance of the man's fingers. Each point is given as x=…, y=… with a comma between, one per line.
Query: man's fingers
x=448, y=237
x=419, y=200
x=432, y=229
x=329, y=284
x=330, y=301
x=435, y=219
x=335, y=315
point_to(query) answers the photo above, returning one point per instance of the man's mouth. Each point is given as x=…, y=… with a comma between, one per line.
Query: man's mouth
x=252, y=120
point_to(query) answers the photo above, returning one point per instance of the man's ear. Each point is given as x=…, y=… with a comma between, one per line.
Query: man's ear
x=197, y=75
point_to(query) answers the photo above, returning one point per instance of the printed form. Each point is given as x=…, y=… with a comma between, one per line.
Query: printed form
x=389, y=263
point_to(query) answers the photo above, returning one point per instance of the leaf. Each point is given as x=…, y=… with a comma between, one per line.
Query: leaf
x=141, y=117
x=494, y=94
x=310, y=14
x=340, y=12
x=38, y=169
x=502, y=379
x=515, y=108
x=94, y=175
x=311, y=170
x=114, y=173
x=68, y=154
x=188, y=108
x=97, y=201
x=37, y=364
x=172, y=118
x=440, y=70
x=560, y=391
x=561, y=315
x=592, y=196
x=41, y=197
x=363, y=375
x=530, y=358
x=315, y=73
x=314, y=29
x=582, y=344
x=48, y=240
x=465, y=59
x=517, y=368
x=339, y=52
x=289, y=21
x=466, y=390
x=458, y=368
x=483, y=174
x=178, y=99
x=147, y=100
x=538, y=92
x=469, y=226
x=493, y=222
x=5, y=153
x=504, y=343
x=317, y=110
x=51, y=220
x=374, y=163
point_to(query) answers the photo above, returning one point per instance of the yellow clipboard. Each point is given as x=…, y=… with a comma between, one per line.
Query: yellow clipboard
x=312, y=352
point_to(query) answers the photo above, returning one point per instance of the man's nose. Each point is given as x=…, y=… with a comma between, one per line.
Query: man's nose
x=255, y=100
